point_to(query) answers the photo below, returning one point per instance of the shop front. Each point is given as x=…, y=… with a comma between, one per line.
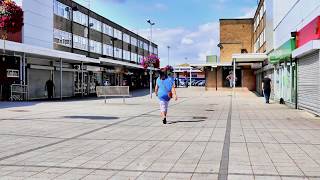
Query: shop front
x=9, y=74
x=308, y=58
x=285, y=73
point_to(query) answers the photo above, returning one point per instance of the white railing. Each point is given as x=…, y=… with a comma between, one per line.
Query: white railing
x=19, y=92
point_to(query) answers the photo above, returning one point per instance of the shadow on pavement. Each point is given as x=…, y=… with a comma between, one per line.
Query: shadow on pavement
x=6, y=104
x=174, y=122
x=92, y=117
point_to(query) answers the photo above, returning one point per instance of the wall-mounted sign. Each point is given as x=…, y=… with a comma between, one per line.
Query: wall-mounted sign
x=308, y=33
x=12, y=73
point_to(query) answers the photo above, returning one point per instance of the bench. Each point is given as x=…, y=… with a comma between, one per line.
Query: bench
x=113, y=91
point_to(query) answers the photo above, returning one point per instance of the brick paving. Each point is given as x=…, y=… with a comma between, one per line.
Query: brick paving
x=210, y=135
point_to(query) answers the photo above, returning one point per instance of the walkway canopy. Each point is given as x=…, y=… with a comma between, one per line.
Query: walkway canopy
x=249, y=57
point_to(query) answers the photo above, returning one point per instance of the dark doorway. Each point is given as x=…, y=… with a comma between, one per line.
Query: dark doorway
x=225, y=73
x=9, y=74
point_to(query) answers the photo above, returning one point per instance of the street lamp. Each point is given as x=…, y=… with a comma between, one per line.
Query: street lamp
x=150, y=45
x=168, y=55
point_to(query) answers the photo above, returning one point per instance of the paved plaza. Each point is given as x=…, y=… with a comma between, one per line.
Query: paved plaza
x=210, y=135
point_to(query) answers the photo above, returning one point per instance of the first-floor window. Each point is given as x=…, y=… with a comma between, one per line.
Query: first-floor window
x=140, y=58
x=80, y=42
x=95, y=47
x=126, y=55
x=134, y=57
x=107, y=50
x=118, y=52
x=62, y=38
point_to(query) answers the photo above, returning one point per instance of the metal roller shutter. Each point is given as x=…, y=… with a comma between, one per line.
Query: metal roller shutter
x=309, y=83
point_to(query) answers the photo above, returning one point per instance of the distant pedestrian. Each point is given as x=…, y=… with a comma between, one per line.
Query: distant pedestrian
x=49, y=87
x=165, y=91
x=266, y=86
x=231, y=78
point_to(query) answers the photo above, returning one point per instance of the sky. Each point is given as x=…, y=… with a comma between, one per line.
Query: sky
x=189, y=27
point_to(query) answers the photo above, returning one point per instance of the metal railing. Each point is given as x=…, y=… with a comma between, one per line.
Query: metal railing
x=19, y=92
x=113, y=91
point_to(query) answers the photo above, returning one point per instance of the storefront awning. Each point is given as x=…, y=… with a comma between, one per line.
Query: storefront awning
x=45, y=52
x=249, y=57
x=283, y=53
x=306, y=49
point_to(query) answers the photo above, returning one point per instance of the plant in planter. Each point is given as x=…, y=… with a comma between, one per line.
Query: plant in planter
x=151, y=61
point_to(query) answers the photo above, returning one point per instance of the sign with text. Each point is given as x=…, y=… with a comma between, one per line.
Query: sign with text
x=12, y=73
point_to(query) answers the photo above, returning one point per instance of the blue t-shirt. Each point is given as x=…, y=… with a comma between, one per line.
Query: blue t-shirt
x=165, y=87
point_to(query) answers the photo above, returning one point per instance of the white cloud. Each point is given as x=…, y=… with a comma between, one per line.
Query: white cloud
x=248, y=12
x=186, y=41
x=194, y=44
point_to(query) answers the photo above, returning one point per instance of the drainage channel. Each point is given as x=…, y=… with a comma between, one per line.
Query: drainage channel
x=224, y=163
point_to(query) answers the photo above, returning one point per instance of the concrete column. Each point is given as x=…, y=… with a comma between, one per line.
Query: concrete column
x=61, y=79
x=82, y=80
x=234, y=73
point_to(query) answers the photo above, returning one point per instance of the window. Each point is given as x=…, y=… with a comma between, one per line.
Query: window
x=107, y=50
x=155, y=50
x=95, y=47
x=80, y=18
x=134, y=41
x=140, y=44
x=62, y=38
x=134, y=57
x=108, y=30
x=261, y=13
x=80, y=42
x=126, y=55
x=117, y=34
x=118, y=52
x=126, y=38
x=96, y=25
x=62, y=10
x=146, y=46
x=140, y=58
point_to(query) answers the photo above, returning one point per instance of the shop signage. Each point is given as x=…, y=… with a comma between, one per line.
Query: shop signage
x=12, y=73
x=308, y=33
x=93, y=68
x=283, y=53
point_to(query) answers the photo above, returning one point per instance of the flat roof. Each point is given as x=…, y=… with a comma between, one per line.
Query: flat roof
x=237, y=19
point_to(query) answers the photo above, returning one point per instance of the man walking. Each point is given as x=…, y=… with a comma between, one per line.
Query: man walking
x=266, y=86
x=49, y=88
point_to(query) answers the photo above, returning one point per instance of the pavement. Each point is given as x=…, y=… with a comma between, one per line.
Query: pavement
x=210, y=135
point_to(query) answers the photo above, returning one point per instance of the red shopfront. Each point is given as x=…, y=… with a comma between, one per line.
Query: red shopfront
x=308, y=55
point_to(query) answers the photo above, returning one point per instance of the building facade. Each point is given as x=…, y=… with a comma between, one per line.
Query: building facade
x=236, y=36
x=104, y=52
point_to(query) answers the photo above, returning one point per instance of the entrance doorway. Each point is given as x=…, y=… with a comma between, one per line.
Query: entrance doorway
x=225, y=73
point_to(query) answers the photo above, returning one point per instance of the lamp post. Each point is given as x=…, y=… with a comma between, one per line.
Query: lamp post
x=150, y=46
x=168, y=55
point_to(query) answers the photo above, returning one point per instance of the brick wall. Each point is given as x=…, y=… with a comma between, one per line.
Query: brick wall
x=211, y=78
x=248, y=79
x=235, y=34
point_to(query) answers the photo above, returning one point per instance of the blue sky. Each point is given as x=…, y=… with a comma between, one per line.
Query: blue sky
x=190, y=27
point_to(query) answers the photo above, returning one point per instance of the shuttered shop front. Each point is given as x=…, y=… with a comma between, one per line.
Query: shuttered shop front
x=309, y=82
